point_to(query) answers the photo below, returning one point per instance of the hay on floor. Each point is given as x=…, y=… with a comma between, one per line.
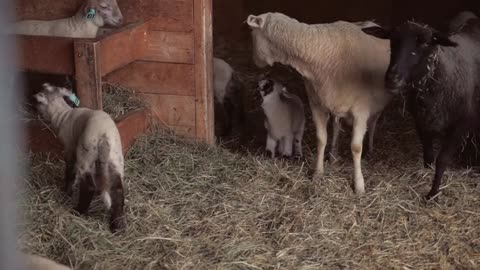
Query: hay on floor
x=191, y=206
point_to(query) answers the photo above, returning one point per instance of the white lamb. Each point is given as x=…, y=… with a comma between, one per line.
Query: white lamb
x=93, y=151
x=92, y=15
x=285, y=118
x=227, y=94
x=343, y=70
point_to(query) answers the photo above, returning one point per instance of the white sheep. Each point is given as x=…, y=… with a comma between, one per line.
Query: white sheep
x=343, y=70
x=285, y=118
x=35, y=262
x=92, y=15
x=93, y=151
x=227, y=94
x=460, y=19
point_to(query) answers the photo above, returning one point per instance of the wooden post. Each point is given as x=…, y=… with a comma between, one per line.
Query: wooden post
x=87, y=74
x=204, y=120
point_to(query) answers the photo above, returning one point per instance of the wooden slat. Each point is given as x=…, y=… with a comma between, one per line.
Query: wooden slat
x=172, y=110
x=185, y=131
x=204, y=118
x=87, y=74
x=166, y=15
x=45, y=9
x=156, y=78
x=131, y=126
x=122, y=48
x=170, y=47
x=45, y=54
x=40, y=139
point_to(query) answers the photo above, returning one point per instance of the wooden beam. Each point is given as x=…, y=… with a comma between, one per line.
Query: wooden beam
x=122, y=46
x=204, y=120
x=87, y=74
x=44, y=54
x=170, y=47
x=132, y=125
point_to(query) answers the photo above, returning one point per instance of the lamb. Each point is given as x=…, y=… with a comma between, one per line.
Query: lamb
x=439, y=74
x=460, y=19
x=343, y=71
x=227, y=94
x=285, y=118
x=93, y=151
x=92, y=15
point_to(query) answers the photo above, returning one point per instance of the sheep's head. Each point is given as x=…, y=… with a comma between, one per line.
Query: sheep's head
x=265, y=87
x=262, y=48
x=51, y=99
x=108, y=10
x=411, y=43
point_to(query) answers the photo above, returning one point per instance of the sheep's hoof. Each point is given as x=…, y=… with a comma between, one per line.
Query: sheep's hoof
x=360, y=191
x=432, y=196
x=118, y=224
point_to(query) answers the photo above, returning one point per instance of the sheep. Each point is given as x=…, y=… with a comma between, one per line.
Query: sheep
x=92, y=15
x=93, y=151
x=439, y=74
x=460, y=19
x=343, y=71
x=227, y=92
x=285, y=118
x=35, y=262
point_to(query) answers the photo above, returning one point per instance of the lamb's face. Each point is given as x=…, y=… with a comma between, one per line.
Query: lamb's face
x=52, y=98
x=108, y=10
x=410, y=43
x=262, y=48
x=265, y=87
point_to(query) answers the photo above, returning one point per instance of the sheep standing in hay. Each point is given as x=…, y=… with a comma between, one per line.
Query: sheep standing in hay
x=440, y=75
x=285, y=118
x=93, y=151
x=227, y=95
x=343, y=71
x=92, y=15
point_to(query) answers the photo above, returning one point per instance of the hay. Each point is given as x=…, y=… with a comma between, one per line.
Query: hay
x=196, y=207
x=118, y=100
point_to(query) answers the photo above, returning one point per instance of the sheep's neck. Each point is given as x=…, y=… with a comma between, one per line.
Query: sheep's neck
x=79, y=23
x=58, y=117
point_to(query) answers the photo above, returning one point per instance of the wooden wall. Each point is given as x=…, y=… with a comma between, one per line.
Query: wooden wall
x=173, y=75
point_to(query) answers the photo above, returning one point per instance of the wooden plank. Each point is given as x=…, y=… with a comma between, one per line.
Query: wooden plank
x=204, y=118
x=171, y=109
x=87, y=74
x=156, y=78
x=170, y=47
x=45, y=54
x=185, y=131
x=45, y=9
x=166, y=15
x=131, y=126
x=40, y=139
x=122, y=47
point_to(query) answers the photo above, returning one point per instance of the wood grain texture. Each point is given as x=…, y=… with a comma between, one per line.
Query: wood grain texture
x=156, y=78
x=170, y=47
x=204, y=118
x=45, y=54
x=122, y=48
x=172, y=109
x=131, y=126
x=87, y=74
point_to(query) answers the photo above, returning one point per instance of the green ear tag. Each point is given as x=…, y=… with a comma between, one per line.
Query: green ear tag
x=91, y=13
x=75, y=99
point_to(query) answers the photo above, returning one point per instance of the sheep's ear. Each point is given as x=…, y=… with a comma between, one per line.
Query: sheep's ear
x=441, y=39
x=378, y=31
x=255, y=21
x=41, y=98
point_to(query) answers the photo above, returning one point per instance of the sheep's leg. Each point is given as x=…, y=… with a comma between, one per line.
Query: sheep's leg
x=271, y=145
x=427, y=144
x=320, y=118
x=87, y=190
x=333, y=154
x=449, y=147
x=298, y=144
x=359, y=130
x=69, y=175
x=372, y=125
x=117, y=216
x=287, y=146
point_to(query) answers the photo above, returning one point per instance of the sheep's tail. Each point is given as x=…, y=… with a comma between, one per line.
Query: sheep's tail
x=102, y=170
